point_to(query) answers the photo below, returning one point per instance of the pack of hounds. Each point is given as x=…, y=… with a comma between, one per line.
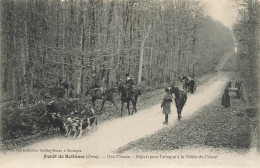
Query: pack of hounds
x=73, y=125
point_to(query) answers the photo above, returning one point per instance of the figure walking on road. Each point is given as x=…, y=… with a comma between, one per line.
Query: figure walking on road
x=166, y=105
x=225, y=99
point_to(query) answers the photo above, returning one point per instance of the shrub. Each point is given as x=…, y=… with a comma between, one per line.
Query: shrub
x=18, y=122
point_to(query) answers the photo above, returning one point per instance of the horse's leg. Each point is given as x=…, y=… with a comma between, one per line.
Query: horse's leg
x=134, y=105
x=179, y=113
x=128, y=108
x=192, y=87
x=103, y=102
x=122, y=106
x=93, y=102
x=179, y=109
x=112, y=101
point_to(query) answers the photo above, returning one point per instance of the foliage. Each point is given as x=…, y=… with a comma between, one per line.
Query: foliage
x=17, y=122
x=89, y=43
x=246, y=31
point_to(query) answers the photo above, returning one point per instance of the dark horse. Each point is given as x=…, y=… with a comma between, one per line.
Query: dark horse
x=189, y=83
x=180, y=99
x=128, y=93
x=102, y=94
x=239, y=92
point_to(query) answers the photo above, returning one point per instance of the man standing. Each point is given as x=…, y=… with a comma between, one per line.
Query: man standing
x=166, y=105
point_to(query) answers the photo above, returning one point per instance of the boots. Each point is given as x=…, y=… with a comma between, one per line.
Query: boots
x=166, y=119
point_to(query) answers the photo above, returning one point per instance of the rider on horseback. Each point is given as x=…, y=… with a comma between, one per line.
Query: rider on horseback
x=129, y=82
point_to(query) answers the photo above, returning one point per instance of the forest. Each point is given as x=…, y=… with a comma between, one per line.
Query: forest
x=94, y=43
x=246, y=31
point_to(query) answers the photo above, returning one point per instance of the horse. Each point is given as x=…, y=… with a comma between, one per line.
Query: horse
x=57, y=92
x=180, y=99
x=238, y=85
x=128, y=93
x=102, y=94
x=189, y=83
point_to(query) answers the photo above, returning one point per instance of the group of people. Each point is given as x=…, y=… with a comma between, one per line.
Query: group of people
x=167, y=100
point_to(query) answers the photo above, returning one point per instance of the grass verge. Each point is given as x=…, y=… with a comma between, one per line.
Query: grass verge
x=213, y=126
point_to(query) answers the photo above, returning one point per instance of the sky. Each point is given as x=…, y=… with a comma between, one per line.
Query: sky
x=221, y=10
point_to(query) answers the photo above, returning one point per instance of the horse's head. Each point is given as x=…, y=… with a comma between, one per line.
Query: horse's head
x=173, y=89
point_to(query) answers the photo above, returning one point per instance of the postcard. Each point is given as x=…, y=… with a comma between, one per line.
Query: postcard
x=129, y=83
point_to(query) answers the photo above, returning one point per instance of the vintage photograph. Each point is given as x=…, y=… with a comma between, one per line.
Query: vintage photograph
x=129, y=83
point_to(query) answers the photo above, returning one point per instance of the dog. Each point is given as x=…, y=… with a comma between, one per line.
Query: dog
x=71, y=125
x=86, y=123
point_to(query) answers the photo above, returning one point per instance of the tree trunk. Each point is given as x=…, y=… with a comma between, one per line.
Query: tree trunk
x=80, y=68
x=25, y=70
x=142, y=56
x=63, y=44
x=14, y=84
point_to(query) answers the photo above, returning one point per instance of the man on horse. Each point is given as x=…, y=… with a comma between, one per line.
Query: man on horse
x=128, y=80
x=189, y=83
x=128, y=93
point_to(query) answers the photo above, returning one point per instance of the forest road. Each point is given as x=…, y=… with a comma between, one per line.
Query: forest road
x=111, y=135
